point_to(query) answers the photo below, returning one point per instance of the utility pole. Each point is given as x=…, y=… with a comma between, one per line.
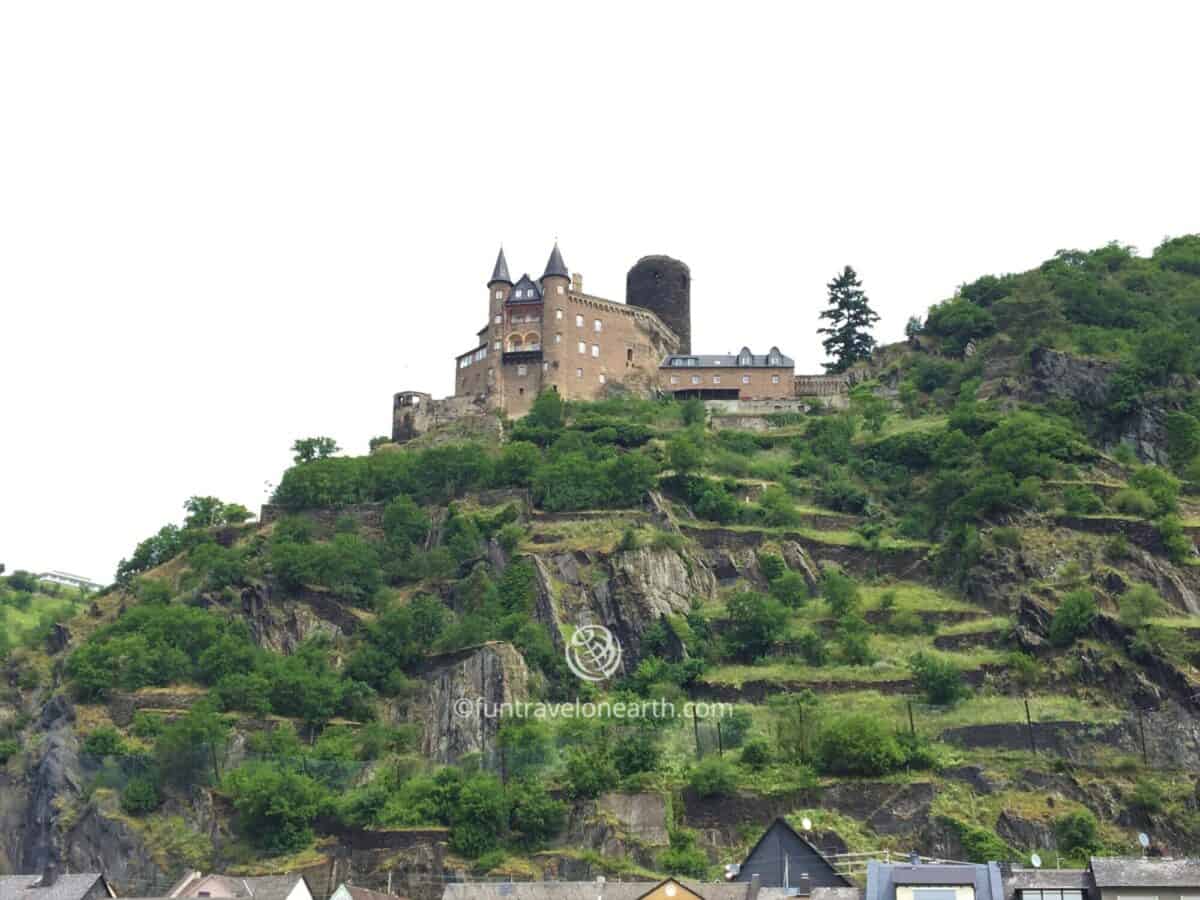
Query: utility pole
x=1029, y=722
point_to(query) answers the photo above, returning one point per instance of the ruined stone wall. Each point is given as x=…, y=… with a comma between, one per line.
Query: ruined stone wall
x=415, y=414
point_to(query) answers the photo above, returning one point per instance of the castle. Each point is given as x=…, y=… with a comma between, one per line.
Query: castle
x=547, y=334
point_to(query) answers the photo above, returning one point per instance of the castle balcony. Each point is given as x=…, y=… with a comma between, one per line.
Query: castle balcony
x=527, y=354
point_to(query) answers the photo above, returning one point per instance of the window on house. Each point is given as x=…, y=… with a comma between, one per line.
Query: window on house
x=674, y=379
x=521, y=370
x=745, y=379
x=499, y=319
x=561, y=289
x=695, y=379
x=578, y=321
x=579, y=373
x=716, y=379
x=596, y=350
x=597, y=326
x=582, y=347
x=774, y=379
x=1060, y=895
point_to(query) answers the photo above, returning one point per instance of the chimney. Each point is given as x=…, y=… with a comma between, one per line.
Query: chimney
x=914, y=858
x=752, y=887
x=576, y=283
x=49, y=875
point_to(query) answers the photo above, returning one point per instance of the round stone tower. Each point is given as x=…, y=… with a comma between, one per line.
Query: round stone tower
x=664, y=286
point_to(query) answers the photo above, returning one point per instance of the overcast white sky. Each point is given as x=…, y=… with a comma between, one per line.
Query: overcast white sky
x=226, y=225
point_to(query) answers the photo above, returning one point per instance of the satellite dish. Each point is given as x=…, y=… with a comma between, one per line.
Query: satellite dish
x=1036, y=860
x=806, y=823
x=1143, y=839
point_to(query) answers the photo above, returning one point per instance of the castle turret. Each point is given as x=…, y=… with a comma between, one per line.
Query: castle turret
x=664, y=286
x=499, y=287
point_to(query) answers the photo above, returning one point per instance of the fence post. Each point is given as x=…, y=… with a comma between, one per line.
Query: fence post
x=1029, y=722
x=912, y=728
x=696, y=732
x=721, y=745
x=1142, y=731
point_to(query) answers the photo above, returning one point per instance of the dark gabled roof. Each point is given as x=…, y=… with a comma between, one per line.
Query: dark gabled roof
x=587, y=890
x=733, y=360
x=782, y=823
x=65, y=887
x=933, y=874
x=359, y=893
x=526, y=290
x=555, y=264
x=500, y=271
x=1158, y=873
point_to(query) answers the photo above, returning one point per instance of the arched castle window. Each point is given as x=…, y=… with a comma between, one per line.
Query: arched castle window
x=514, y=342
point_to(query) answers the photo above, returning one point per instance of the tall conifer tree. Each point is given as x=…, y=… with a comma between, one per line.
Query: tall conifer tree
x=850, y=319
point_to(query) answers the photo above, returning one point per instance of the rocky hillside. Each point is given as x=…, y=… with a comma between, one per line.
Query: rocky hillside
x=960, y=617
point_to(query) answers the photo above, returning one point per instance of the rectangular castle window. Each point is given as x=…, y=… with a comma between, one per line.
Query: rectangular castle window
x=716, y=379
x=499, y=318
x=597, y=326
x=596, y=350
x=774, y=379
x=522, y=370
x=561, y=289
x=582, y=347
x=558, y=338
x=579, y=373
x=695, y=379
x=602, y=378
x=558, y=314
x=499, y=294
x=745, y=379
x=578, y=321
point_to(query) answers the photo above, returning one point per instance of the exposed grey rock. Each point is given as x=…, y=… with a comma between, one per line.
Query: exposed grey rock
x=463, y=696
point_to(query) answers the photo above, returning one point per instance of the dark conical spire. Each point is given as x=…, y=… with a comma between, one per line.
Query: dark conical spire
x=555, y=265
x=500, y=273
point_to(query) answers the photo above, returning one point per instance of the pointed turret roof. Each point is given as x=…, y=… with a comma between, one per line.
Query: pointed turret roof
x=500, y=273
x=555, y=265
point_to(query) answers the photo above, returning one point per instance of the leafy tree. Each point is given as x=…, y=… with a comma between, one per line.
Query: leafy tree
x=479, y=817
x=959, y=321
x=155, y=550
x=1161, y=486
x=404, y=522
x=755, y=623
x=1073, y=618
x=589, y=772
x=276, y=806
x=850, y=319
x=536, y=816
x=684, y=453
x=683, y=857
x=190, y=748
x=104, y=741
x=840, y=592
x=306, y=450
x=205, y=512
x=140, y=796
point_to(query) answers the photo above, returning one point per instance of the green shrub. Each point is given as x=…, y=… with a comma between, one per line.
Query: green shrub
x=1073, y=618
x=1078, y=832
x=713, y=776
x=8, y=749
x=589, y=772
x=1007, y=537
x=771, y=565
x=756, y=754
x=1161, y=486
x=1176, y=541
x=1147, y=796
x=1116, y=548
x=840, y=592
x=140, y=796
x=104, y=741
x=684, y=858
x=736, y=726
x=1139, y=603
x=790, y=588
x=756, y=621
x=938, y=678
x=536, y=816
x=812, y=647
x=858, y=744
x=1081, y=501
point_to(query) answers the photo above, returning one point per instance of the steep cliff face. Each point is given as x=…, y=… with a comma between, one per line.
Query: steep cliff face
x=464, y=693
x=1054, y=374
x=626, y=592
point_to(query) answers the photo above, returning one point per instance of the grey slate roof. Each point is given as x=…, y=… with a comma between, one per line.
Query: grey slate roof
x=882, y=878
x=1134, y=872
x=260, y=887
x=585, y=890
x=359, y=893
x=529, y=290
x=830, y=893
x=555, y=264
x=500, y=271
x=744, y=359
x=65, y=887
x=1023, y=879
